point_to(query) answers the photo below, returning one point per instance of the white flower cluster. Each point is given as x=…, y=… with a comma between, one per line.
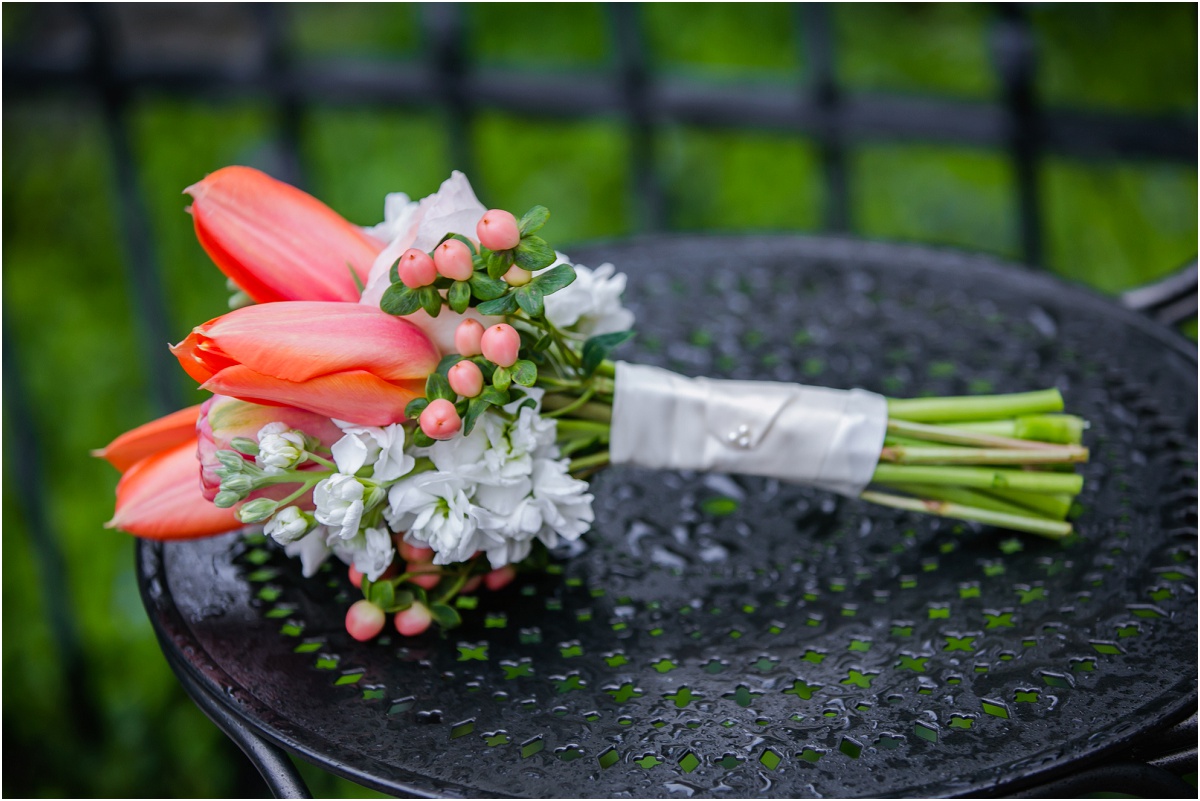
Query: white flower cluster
x=495, y=491
x=591, y=304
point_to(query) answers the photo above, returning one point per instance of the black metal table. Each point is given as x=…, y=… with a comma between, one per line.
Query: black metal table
x=728, y=636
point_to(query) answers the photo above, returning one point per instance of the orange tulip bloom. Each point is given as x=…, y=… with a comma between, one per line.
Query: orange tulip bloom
x=277, y=242
x=153, y=437
x=342, y=360
x=159, y=498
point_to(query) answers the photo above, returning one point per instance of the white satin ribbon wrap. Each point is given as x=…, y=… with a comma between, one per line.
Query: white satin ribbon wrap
x=826, y=438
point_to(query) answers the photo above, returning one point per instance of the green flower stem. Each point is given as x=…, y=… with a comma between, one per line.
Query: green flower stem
x=584, y=462
x=570, y=407
x=965, y=497
x=1065, y=429
x=599, y=412
x=322, y=461
x=1055, y=505
x=975, y=407
x=568, y=429
x=1033, y=525
x=958, y=436
x=607, y=368
x=892, y=439
x=902, y=454
x=460, y=581
x=305, y=487
x=979, y=478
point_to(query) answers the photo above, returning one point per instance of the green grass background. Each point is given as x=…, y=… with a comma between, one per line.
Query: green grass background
x=69, y=316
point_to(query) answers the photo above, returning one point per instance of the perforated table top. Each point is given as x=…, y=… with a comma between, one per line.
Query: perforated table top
x=719, y=635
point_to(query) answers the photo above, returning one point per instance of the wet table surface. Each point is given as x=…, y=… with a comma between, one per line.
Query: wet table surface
x=719, y=635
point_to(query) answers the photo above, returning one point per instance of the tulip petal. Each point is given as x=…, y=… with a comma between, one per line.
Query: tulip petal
x=302, y=340
x=277, y=242
x=355, y=396
x=147, y=440
x=159, y=498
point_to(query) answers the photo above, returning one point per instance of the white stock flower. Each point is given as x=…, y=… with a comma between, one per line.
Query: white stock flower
x=382, y=448
x=591, y=304
x=370, y=551
x=312, y=550
x=398, y=214
x=435, y=510
x=496, y=452
x=453, y=209
x=339, y=501
x=279, y=448
x=548, y=505
x=288, y=525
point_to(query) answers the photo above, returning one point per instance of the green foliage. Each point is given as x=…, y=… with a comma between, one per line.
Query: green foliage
x=1135, y=57
x=1115, y=226
x=952, y=196
x=723, y=40
x=596, y=349
x=916, y=48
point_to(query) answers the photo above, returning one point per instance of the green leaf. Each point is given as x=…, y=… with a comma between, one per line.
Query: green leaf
x=476, y=407
x=506, y=304
x=501, y=378
x=436, y=386
x=414, y=408
x=498, y=263
x=533, y=253
x=431, y=301
x=448, y=361
x=446, y=616
x=551, y=281
x=459, y=296
x=485, y=287
x=529, y=298
x=403, y=600
x=394, y=272
x=460, y=238
x=533, y=220
x=494, y=395
x=421, y=439
x=366, y=586
x=400, y=300
x=524, y=372
x=383, y=594
x=596, y=349
x=487, y=368
x=543, y=343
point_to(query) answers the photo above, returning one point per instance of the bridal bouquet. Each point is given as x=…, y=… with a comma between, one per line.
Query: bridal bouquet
x=425, y=399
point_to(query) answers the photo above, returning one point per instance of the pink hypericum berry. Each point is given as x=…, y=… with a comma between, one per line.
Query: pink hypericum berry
x=413, y=620
x=517, y=276
x=501, y=344
x=440, y=419
x=416, y=269
x=453, y=260
x=471, y=585
x=426, y=580
x=498, y=230
x=467, y=336
x=500, y=578
x=415, y=553
x=364, y=620
x=466, y=379
x=355, y=577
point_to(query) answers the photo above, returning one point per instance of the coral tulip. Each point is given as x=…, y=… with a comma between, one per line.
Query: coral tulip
x=159, y=498
x=342, y=360
x=146, y=440
x=277, y=242
x=222, y=419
